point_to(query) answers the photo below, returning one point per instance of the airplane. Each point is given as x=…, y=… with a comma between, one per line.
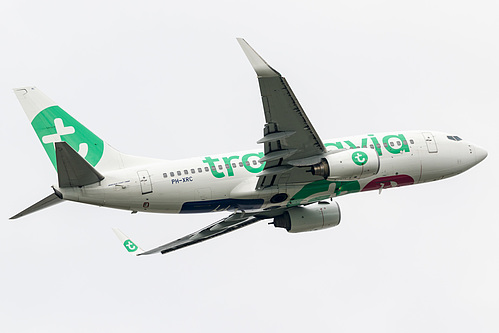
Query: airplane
x=292, y=181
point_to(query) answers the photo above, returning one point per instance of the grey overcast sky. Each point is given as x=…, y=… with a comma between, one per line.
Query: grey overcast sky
x=167, y=79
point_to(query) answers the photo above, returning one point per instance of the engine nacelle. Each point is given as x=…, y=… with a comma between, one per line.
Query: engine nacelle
x=309, y=218
x=349, y=164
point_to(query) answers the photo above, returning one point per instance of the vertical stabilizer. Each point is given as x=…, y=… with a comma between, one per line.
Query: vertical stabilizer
x=52, y=124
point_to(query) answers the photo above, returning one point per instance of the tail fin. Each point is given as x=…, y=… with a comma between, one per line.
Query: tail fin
x=52, y=124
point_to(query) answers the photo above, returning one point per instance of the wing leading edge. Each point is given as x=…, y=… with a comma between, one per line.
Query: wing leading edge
x=232, y=222
x=289, y=137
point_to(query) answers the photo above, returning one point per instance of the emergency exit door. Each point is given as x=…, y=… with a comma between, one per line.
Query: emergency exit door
x=145, y=182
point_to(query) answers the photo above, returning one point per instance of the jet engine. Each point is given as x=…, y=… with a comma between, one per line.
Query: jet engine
x=308, y=218
x=351, y=164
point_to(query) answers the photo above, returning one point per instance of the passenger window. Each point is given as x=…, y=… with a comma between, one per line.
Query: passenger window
x=186, y=172
x=234, y=165
x=227, y=166
x=165, y=175
x=179, y=173
x=193, y=171
x=206, y=169
x=254, y=162
x=220, y=167
x=172, y=174
x=241, y=164
x=385, y=144
x=200, y=170
x=247, y=163
x=371, y=146
x=213, y=168
x=411, y=141
x=399, y=143
x=392, y=144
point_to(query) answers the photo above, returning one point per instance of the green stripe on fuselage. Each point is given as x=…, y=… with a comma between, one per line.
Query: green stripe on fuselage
x=321, y=187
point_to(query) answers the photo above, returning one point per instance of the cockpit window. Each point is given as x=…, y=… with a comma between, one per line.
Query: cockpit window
x=454, y=138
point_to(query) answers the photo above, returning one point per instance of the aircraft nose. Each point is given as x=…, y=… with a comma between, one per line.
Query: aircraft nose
x=480, y=154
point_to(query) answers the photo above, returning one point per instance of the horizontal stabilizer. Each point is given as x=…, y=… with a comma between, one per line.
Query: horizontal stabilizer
x=44, y=203
x=72, y=169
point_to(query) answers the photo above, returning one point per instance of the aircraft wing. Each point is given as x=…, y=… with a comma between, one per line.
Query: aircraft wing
x=289, y=138
x=232, y=222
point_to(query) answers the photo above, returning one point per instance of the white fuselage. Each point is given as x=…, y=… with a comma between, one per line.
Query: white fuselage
x=228, y=181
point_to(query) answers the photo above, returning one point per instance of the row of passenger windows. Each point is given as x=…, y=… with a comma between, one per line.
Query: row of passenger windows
x=254, y=162
x=206, y=169
x=392, y=144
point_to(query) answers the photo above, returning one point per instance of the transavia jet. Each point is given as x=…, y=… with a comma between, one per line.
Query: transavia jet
x=288, y=182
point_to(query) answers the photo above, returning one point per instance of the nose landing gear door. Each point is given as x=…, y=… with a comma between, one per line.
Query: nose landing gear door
x=145, y=181
x=430, y=142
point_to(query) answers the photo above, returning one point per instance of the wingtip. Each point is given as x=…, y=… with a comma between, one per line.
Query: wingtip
x=261, y=67
x=129, y=245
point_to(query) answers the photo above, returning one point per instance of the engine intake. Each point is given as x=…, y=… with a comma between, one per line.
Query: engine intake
x=308, y=218
x=349, y=164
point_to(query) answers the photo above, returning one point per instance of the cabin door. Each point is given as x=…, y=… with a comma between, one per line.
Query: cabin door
x=145, y=181
x=430, y=142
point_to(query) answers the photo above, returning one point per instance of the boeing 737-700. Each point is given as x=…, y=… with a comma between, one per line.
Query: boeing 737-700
x=293, y=180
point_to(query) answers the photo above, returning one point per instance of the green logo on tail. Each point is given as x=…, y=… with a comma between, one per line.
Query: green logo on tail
x=130, y=246
x=53, y=125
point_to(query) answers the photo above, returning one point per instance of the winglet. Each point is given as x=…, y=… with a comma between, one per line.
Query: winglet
x=260, y=66
x=130, y=246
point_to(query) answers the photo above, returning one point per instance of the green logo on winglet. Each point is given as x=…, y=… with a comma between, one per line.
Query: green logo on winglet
x=130, y=246
x=53, y=125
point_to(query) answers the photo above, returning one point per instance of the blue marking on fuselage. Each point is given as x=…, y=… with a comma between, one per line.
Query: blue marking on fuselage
x=207, y=206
